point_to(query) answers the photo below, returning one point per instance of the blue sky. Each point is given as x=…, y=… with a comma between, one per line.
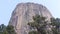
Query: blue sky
x=7, y=6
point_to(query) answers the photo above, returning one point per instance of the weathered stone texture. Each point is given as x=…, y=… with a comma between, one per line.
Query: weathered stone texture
x=23, y=13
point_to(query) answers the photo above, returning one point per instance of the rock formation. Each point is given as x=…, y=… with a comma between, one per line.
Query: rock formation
x=23, y=14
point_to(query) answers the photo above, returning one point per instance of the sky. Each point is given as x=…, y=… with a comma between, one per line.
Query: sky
x=7, y=6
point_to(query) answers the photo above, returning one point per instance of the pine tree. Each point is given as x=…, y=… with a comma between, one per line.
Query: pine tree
x=7, y=29
x=56, y=24
x=39, y=23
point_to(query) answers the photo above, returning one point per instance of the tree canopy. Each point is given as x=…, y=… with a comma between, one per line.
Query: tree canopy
x=7, y=29
x=40, y=24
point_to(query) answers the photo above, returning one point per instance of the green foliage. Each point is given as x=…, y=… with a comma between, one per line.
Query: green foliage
x=10, y=29
x=2, y=28
x=33, y=32
x=34, y=25
x=56, y=24
x=7, y=29
x=38, y=18
x=39, y=23
x=54, y=31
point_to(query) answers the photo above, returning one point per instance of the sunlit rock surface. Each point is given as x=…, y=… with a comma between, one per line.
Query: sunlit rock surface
x=23, y=14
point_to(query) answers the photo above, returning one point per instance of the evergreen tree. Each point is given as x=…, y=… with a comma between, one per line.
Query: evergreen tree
x=7, y=29
x=56, y=24
x=10, y=29
x=39, y=23
x=2, y=28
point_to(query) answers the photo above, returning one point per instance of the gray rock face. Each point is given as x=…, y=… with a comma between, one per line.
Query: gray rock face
x=23, y=14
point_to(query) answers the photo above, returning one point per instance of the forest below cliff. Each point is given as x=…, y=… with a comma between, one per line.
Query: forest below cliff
x=39, y=26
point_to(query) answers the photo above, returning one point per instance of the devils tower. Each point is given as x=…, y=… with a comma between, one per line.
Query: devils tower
x=23, y=14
